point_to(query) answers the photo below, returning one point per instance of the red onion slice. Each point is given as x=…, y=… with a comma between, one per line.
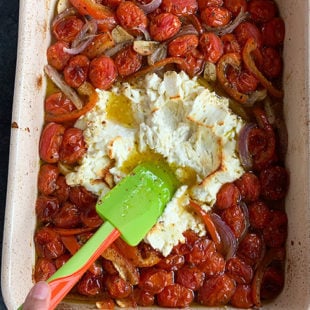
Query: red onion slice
x=150, y=7
x=145, y=32
x=230, y=27
x=83, y=38
x=115, y=49
x=228, y=239
x=185, y=30
x=242, y=145
x=69, y=92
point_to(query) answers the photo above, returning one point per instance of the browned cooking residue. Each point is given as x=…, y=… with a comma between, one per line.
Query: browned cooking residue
x=39, y=81
x=14, y=125
x=27, y=129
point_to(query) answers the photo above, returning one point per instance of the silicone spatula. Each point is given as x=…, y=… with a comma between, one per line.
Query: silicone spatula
x=129, y=210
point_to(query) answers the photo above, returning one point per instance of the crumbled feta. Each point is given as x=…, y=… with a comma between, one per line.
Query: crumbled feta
x=178, y=118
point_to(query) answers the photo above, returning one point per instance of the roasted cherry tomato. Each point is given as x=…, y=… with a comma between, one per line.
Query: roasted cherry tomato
x=235, y=6
x=274, y=182
x=76, y=71
x=238, y=270
x=247, y=30
x=251, y=249
x=172, y=262
x=143, y=298
x=46, y=208
x=118, y=287
x=273, y=32
x=272, y=282
x=213, y=265
x=164, y=26
x=83, y=198
x=56, y=56
x=215, y=16
x=48, y=243
x=102, y=72
x=73, y=146
x=216, y=291
x=68, y=216
x=249, y=186
x=44, y=269
x=228, y=195
x=67, y=28
x=47, y=178
x=153, y=280
x=190, y=277
x=272, y=63
x=131, y=17
x=57, y=104
x=62, y=189
x=262, y=10
x=230, y=43
x=183, y=45
x=242, y=298
x=194, y=63
x=50, y=142
x=211, y=46
x=180, y=7
x=235, y=219
x=90, y=217
x=175, y=296
x=202, y=248
x=90, y=284
x=202, y=4
x=127, y=61
x=259, y=214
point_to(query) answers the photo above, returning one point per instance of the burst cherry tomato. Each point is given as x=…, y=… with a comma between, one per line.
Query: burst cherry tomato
x=143, y=298
x=190, y=277
x=76, y=71
x=202, y=4
x=175, y=296
x=83, y=198
x=180, y=7
x=274, y=182
x=242, y=298
x=213, y=265
x=67, y=28
x=44, y=269
x=273, y=32
x=58, y=104
x=62, y=189
x=272, y=63
x=235, y=219
x=215, y=16
x=118, y=287
x=172, y=262
x=46, y=208
x=50, y=142
x=235, y=6
x=262, y=10
x=56, y=56
x=90, y=217
x=183, y=45
x=259, y=214
x=47, y=178
x=102, y=72
x=202, y=248
x=247, y=30
x=131, y=17
x=90, y=284
x=153, y=280
x=73, y=146
x=211, y=46
x=194, y=61
x=272, y=282
x=48, y=243
x=238, y=270
x=230, y=43
x=249, y=186
x=216, y=291
x=164, y=26
x=68, y=216
x=127, y=61
x=227, y=196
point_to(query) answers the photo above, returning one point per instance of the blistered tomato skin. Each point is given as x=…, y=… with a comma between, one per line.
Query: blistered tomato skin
x=227, y=196
x=117, y=287
x=235, y=219
x=183, y=45
x=80, y=196
x=46, y=208
x=180, y=7
x=67, y=28
x=47, y=178
x=58, y=104
x=190, y=277
x=102, y=72
x=249, y=187
x=216, y=291
x=238, y=270
x=164, y=26
x=73, y=146
x=202, y=4
x=90, y=284
x=68, y=216
x=50, y=142
x=56, y=56
x=262, y=10
x=127, y=61
x=211, y=46
x=215, y=16
x=242, y=298
x=235, y=6
x=44, y=269
x=247, y=30
x=175, y=296
x=131, y=17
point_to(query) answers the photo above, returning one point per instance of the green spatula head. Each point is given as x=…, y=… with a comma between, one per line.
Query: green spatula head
x=134, y=205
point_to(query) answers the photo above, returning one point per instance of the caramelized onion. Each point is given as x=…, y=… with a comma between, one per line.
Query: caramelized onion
x=228, y=240
x=242, y=145
x=83, y=38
